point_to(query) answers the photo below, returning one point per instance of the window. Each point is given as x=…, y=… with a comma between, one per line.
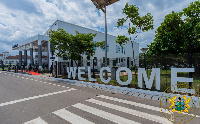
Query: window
x=122, y=49
x=119, y=49
x=95, y=61
x=116, y=60
x=88, y=60
x=107, y=48
x=107, y=60
x=116, y=49
x=121, y=60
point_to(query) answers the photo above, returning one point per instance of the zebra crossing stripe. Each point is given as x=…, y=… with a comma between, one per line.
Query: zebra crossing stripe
x=142, y=105
x=103, y=114
x=70, y=117
x=36, y=121
x=132, y=112
x=133, y=103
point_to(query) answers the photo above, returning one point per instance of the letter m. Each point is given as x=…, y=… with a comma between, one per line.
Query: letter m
x=71, y=71
x=142, y=73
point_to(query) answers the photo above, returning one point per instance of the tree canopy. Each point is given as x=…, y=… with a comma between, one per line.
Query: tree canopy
x=73, y=46
x=179, y=33
x=142, y=23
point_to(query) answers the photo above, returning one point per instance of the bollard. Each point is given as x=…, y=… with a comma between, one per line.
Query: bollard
x=15, y=69
x=113, y=72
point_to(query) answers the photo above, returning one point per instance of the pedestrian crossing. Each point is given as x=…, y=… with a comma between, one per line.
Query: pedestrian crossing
x=105, y=108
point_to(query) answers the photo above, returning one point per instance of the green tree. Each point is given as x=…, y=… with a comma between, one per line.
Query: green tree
x=143, y=23
x=139, y=23
x=73, y=46
x=179, y=33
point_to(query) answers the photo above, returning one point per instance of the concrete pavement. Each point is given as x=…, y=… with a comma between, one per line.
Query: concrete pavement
x=33, y=99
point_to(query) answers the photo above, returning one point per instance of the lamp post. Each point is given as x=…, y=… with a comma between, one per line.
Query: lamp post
x=144, y=50
x=101, y=4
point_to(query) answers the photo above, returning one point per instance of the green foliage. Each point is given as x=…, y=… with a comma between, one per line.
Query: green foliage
x=72, y=46
x=143, y=23
x=179, y=33
x=122, y=40
x=100, y=44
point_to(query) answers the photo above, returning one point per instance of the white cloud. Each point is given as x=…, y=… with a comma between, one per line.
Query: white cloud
x=25, y=18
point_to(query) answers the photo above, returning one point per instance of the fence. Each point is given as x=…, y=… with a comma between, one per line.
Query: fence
x=166, y=62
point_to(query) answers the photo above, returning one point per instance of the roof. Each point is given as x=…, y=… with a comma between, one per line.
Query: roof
x=16, y=57
x=77, y=26
x=36, y=56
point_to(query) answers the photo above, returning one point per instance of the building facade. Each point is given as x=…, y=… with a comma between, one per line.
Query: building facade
x=123, y=56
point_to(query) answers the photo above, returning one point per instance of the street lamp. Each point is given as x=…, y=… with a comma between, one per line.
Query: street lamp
x=144, y=50
x=101, y=4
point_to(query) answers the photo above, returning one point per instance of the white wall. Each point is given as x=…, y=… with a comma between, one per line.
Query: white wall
x=70, y=28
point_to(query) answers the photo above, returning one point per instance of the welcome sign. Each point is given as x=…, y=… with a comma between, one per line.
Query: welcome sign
x=155, y=74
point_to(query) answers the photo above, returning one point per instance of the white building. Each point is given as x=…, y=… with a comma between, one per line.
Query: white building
x=40, y=43
x=5, y=54
x=14, y=60
x=1, y=57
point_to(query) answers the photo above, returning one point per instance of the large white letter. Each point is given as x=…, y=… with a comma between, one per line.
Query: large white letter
x=79, y=73
x=129, y=76
x=101, y=74
x=155, y=72
x=174, y=80
x=71, y=71
x=89, y=75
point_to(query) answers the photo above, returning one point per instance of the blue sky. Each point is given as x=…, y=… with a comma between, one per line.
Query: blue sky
x=21, y=19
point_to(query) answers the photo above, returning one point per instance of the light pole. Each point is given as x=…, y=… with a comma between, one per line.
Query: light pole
x=144, y=50
x=101, y=4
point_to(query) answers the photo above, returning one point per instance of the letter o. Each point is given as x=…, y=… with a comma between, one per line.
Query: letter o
x=129, y=76
x=101, y=74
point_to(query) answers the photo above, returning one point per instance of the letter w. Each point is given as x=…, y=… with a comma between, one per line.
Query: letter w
x=71, y=71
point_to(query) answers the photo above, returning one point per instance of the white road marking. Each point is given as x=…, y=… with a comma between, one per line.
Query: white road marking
x=132, y=103
x=22, y=77
x=54, y=84
x=67, y=87
x=132, y=112
x=26, y=78
x=17, y=76
x=9, y=74
x=34, y=97
x=45, y=82
x=70, y=117
x=103, y=114
x=40, y=81
x=31, y=79
x=49, y=83
x=58, y=85
x=63, y=86
x=35, y=80
x=5, y=73
x=158, y=109
x=36, y=121
x=13, y=75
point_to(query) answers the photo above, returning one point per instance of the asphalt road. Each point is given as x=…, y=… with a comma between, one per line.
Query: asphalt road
x=30, y=100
